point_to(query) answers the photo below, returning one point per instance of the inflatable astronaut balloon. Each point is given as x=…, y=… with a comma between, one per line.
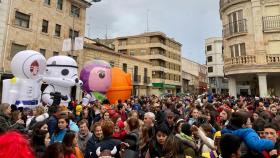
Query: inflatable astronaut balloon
x=24, y=89
x=61, y=75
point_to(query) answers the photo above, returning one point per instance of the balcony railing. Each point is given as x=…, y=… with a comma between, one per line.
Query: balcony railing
x=273, y=59
x=147, y=80
x=243, y=60
x=271, y=23
x=137, y=79
x=235, y=28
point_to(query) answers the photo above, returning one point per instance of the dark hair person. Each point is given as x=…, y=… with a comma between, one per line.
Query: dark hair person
x=62, y=127
x=232, y=149
x=40, y=139
x=54, y=151
x=70, y=145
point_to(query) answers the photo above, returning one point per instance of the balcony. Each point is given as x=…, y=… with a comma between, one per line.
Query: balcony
x=224, y=4
x=271, y=23
x=147, y=80
x=235, y=29
x=273, y=59
x=241, y=60
x=137, y=79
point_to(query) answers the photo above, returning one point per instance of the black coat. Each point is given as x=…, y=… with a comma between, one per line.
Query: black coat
x=90, y=146
x=6, y=124
x=107, y=143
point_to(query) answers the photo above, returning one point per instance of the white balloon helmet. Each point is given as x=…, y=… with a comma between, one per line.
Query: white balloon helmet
x=62, y=70
x=28, y=64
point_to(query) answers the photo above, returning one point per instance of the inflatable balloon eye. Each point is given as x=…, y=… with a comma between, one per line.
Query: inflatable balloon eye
x=29, y=64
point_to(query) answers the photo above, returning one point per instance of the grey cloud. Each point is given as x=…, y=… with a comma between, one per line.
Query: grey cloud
x=189, y=22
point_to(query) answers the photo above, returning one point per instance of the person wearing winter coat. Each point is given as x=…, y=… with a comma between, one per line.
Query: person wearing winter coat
x=6, y=122
x=186, y=138
x=83, y=135
x=251, y=139
x=97, y=136
x=62, y=127
x=39, y=115
x=108, y=143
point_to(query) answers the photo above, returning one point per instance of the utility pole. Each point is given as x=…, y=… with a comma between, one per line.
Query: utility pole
x=147, y=20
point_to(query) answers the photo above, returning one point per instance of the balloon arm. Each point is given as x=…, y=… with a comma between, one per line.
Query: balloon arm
x=46, y=97
x=86, y=99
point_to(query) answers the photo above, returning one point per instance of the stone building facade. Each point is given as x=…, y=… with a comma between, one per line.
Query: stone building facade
x=215, y=65
x=251, y=42
x=163, y=52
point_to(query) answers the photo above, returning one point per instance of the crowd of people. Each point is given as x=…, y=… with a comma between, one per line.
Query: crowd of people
x=194, y=126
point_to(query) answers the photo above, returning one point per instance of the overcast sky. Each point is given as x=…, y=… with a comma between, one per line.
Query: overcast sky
x=189, y=22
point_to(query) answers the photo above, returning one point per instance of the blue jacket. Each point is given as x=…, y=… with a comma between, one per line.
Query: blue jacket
x=251, y=139
x=58, y=137
x=52, y=123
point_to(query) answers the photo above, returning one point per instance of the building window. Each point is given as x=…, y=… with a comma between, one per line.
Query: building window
x=143, y=51
x=238, y=50
x=209, y=48
x=57, y=30
x=55, y=53
x=45, y=26
x=236, y=22
x=22, y=19
x=209, y=59
x=124, y=67
x=210, y=69
x=16, y=48
x=59, y=4
x=43, y=51
x=75, y=11
x=76, y=34
x=132, y=52
x=135, y=73
x=48, y=2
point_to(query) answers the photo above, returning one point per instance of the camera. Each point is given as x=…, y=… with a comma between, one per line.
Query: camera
x=57, y=97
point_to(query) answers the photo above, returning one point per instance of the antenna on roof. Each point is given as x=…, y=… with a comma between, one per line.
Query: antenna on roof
x=106, y=34
x=147, y=20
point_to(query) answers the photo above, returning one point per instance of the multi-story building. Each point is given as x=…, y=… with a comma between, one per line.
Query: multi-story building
x=163, y=52
x=40, y=25
x=140, y=70
x=215, y=65
x=202, y=79
x=251, y=41
x=190, y=81
x=4, y=7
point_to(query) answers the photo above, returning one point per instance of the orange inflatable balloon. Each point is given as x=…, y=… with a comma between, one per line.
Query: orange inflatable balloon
x=121, y=86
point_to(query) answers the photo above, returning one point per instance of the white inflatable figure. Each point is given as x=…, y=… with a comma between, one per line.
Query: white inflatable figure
x=61, y=75
x=24, y=89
